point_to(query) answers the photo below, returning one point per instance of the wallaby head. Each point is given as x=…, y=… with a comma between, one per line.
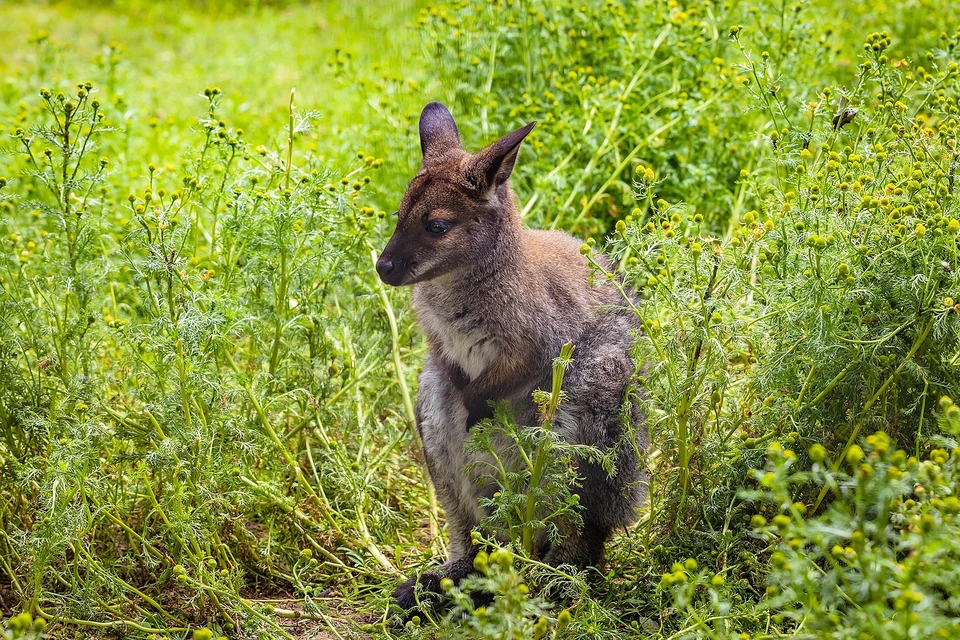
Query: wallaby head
x=458, y=208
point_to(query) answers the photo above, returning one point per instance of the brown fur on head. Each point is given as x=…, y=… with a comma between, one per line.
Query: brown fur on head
x=456, y=209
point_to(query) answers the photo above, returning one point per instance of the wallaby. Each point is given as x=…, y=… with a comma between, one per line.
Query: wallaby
x=497, y=302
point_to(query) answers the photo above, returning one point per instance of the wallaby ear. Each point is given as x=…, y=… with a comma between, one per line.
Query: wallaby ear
x=438, y=132
x=493, y=165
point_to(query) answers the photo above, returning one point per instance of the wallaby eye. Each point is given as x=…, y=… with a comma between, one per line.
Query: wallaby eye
x=439, y=227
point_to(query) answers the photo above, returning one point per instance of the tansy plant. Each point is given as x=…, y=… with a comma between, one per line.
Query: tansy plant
x=827, y=312
x=865, y=567
x=828, y=309
x=23, y=627
x=612, y=83
x=174, y=364
x=512, y=612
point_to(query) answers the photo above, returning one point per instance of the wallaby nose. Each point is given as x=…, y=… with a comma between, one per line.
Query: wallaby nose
x=384, y=267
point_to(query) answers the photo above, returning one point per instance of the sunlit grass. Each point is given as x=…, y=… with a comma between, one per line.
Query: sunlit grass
x=160, y=56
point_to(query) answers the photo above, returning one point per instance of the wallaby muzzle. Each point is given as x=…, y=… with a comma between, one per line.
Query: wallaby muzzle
x=393, y=269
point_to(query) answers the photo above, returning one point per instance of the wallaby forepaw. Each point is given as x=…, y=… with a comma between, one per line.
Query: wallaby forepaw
x=561, y=556
x=410, y=597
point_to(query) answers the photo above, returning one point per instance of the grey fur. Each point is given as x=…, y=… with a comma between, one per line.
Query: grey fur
x=497, y=302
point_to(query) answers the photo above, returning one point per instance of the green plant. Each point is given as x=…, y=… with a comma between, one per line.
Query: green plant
x=148, y=423
x=534, y=498
x=24, y=627
x=895, y=517
x=614, y=83
x=513, y=613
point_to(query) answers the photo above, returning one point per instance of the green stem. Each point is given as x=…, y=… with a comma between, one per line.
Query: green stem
x=116, y=624
x=539, y=464
x=184, y=392
x=405, y=393
x=280, y=304
x=921, y=337
x=289, y=141
x=833, y=383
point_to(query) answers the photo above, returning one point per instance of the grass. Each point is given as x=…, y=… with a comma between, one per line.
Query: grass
x=206, y=419
x=166, y=54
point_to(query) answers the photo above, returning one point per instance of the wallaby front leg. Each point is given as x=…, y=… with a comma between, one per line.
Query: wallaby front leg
x=442, y=424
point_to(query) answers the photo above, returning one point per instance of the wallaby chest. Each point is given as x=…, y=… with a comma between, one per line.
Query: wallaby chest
x=464, y=329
